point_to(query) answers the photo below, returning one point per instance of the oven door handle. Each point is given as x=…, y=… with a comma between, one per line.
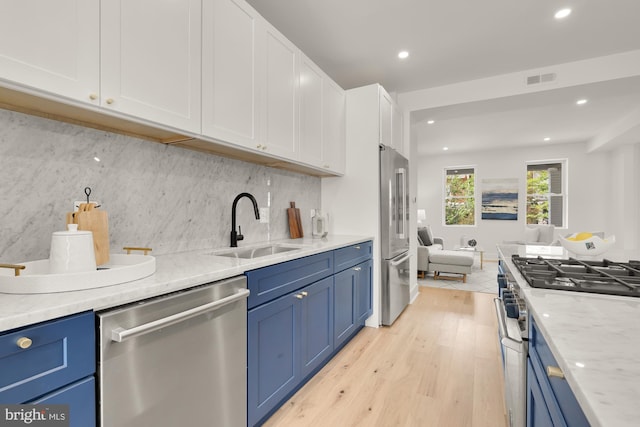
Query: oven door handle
x=505, y=339
x=121, y=334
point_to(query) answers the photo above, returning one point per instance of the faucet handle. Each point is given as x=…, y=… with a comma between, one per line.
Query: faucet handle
x=240, y=236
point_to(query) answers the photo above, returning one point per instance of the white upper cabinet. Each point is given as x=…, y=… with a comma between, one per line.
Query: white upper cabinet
x=334, y=128
x=386, y=107
x=311, y=112
x=150, y=60
x=52, y=46
x=230, y=95
x=390, y=122
x=280, y=94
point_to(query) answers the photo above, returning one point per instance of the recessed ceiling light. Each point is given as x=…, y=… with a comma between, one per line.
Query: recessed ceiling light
x=581, y=101
x=445, y=148
x=97, y=159
x=403, y=54
x=547, y=139
x=430, y=122
x=562, y=13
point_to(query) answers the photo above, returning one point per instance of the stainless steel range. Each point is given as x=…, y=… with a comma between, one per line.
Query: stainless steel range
x=602, y=277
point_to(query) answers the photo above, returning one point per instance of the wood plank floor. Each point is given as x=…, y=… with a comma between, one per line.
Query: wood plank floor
x=438, y=365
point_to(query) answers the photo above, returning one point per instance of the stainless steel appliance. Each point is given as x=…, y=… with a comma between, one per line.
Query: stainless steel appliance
x=176, y=360
x=394, y=234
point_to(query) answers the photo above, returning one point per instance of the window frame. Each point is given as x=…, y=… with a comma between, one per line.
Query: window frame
x=564, y=176
x=475, y=195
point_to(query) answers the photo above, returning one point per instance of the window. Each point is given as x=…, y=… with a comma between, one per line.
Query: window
x=546, y=198
x=459, y=200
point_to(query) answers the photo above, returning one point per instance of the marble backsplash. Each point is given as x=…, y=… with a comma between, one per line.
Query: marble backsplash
x=167, y=198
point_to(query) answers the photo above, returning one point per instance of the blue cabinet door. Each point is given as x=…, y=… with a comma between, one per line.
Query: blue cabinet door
x=345, y=325
x=317, y=324
x=537, y=412
x=272, y=354
x=80, y=396
x=364, y=296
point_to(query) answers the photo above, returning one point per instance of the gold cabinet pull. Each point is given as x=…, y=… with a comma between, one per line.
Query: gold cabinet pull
x=24, y=342
x=304, y=294
x=16, y=268
x=554, y=371
x=259, y=146
x=131, y=248
x=110, y=101
x=357, y=268
x=93, y=96
x=357, y=246
x=299, y=296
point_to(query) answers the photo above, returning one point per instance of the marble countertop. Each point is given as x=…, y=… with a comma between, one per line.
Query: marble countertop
x=594, y=338
x=174, y=272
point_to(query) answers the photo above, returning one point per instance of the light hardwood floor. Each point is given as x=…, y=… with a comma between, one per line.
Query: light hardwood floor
x=438, y=365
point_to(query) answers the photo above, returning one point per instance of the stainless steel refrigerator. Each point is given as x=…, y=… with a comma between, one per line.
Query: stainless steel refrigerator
x=394, y=233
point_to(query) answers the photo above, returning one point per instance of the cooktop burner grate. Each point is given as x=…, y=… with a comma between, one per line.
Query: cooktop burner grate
x=601, y=277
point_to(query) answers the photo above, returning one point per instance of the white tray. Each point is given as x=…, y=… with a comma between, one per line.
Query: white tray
x=36, y=279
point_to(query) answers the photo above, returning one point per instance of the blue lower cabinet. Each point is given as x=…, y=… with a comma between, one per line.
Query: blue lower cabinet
x=345, y=304
x=364, y=295
x=537, y=412
x=317, y=325
x=287, y=339
x=80, y=397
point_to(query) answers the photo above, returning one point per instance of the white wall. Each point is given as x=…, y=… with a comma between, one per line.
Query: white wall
x=625, y=196
x=590, y=199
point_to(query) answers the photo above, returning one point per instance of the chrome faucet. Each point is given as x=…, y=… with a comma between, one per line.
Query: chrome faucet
x=238, y=236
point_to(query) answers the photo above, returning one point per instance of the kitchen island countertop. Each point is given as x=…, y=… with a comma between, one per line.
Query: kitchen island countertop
x=596, y=341
x=174, y=272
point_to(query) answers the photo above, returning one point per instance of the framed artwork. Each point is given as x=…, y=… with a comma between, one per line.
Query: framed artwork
x=500, y=199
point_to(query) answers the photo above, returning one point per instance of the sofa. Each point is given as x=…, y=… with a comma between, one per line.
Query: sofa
x=432, y=257
x=536, y=234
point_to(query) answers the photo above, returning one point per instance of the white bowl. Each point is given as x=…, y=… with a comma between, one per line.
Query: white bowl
x=594, y=245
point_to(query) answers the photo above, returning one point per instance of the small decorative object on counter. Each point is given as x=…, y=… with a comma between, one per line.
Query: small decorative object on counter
x=318, y=225
x=295, y=223
x=72, y=251
x=472, y=243
x=587, y=244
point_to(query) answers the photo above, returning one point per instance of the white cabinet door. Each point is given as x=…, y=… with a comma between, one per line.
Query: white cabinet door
x=52, y=46
x=150, y=60
x=230, y=95
x=280, y=90
x=311, y=112
x=396, y=128
x=334, y=129
x=386, y=107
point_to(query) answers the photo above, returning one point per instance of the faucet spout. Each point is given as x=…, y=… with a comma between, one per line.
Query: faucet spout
x=235, y=236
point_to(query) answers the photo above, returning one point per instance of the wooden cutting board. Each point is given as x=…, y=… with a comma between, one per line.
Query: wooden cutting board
x=97, y=221
x=295, y=223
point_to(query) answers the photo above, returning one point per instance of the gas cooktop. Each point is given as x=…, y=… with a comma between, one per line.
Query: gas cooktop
x=600, y=277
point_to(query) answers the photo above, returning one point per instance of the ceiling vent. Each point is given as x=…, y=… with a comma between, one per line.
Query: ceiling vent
x=541, y=78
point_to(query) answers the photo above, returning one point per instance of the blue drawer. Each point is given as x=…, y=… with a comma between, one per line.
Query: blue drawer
x=276, y=280
x=81, y=398
x=61, y=352
x=352, y=255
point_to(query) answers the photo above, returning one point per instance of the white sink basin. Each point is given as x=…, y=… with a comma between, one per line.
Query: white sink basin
x=36, y=279
x=256, y=251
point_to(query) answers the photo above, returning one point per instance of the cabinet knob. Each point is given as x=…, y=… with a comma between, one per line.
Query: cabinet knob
x=554, y=371
x=304, y=293
x=24, y=342
x=299, y=296
x=357, y=268
x=110, y=101
x=93, y=96
x=259, y=146
x=357, y=247
x=264, y=147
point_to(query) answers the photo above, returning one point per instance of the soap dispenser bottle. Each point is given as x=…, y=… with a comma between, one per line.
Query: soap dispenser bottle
x=318, y=224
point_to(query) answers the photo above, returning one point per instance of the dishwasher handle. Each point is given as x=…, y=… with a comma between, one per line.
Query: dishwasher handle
x=505, y=339
x=121, y=334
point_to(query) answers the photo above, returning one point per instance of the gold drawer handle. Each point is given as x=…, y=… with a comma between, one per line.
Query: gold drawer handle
x=554, y=371
x=357, y=247
x=132, y=248
x=24, y=342
x=299, y=296
x=16, y=268
x=304, y=294
x=357, y=268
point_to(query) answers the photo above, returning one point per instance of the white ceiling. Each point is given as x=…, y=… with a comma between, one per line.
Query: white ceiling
x=356, y=42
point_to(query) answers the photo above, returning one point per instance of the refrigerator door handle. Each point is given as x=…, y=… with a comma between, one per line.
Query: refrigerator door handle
x=399, y=199
x=400, y=261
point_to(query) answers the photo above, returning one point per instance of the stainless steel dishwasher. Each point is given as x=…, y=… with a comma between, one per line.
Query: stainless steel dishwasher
x=174, y=360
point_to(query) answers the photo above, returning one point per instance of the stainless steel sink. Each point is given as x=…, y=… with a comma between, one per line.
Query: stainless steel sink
x=256, y=251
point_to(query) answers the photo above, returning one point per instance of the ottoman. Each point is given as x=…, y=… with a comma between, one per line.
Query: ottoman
x=451, y=262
